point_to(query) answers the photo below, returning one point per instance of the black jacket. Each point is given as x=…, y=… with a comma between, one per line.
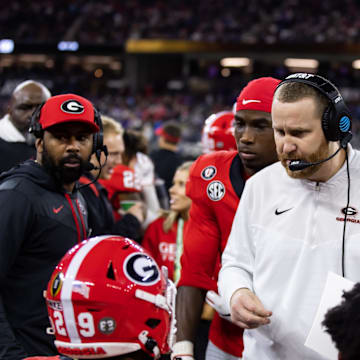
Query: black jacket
x=13, y=153
x=101, y=219
x=166, y=162
x=39, y=222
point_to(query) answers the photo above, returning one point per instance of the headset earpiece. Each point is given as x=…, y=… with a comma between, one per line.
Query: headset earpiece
x=330, y=132
x=336, y=119
x=98, y=139
x=35, y=126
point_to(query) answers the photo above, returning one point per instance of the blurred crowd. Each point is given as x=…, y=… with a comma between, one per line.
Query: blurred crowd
x=259, y=21
x=149, y=108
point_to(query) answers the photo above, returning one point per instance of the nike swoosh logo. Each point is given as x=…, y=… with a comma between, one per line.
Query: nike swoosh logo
x=57, y=210
x=278, y=212
x=244, y=102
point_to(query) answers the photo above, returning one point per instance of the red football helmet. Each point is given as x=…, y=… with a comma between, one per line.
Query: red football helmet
x=218, y=132
x=108, y=297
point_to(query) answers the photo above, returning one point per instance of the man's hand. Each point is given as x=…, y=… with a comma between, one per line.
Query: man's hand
x=247, y=311
x=216, y=301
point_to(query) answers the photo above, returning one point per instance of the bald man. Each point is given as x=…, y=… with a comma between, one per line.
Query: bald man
x=15, y=141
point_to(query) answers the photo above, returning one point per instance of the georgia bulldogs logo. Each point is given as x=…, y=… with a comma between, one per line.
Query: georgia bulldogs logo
x=208, y=173
x=349, y=211
x=215, y=190
x=72, y=107
x=141, y=269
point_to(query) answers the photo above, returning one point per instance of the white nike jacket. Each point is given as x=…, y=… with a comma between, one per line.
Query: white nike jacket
x=286, y=236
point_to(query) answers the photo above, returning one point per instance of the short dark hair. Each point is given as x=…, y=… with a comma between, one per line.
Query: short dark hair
x=294, y=91
x=343, y=324
x=171, y=131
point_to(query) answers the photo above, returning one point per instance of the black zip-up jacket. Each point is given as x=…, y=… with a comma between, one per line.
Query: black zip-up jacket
x=39, y=222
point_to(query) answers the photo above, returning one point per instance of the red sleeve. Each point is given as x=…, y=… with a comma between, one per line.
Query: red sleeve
x=201, y=257
x=150, y=240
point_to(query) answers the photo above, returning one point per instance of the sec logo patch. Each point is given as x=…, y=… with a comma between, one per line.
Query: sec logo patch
x=215, y=190
x=208, y=173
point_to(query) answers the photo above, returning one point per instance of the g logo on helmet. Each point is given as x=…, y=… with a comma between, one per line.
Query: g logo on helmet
x=72, y=107
x=141, y=269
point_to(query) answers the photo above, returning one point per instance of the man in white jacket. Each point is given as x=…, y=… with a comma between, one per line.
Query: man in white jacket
x=297, y=220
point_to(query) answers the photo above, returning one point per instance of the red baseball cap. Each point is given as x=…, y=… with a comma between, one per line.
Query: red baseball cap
x=68, y=108
x=170, y=130
x=257, y=95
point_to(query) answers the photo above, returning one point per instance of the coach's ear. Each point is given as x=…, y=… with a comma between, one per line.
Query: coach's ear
x=39, y=145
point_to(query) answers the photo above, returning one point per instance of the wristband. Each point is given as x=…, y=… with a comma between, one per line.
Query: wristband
x=183, y=350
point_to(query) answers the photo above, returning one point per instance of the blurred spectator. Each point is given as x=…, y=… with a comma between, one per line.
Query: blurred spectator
x=101, y=218
x=136, y=158
x=114, y=142
x=167, y=158
x=122, y=186
x=343, y=324
x=163, y=237
x=15, y=140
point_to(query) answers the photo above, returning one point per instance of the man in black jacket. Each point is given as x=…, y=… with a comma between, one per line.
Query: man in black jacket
x=43, y=215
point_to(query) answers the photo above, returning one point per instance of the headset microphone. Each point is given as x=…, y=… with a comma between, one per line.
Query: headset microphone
x=90, y=166
x=297, y=165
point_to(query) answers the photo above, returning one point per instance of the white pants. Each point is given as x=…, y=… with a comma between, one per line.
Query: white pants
x=214, y=353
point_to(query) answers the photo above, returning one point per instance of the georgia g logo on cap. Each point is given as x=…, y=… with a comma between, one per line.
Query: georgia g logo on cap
x=72, y=107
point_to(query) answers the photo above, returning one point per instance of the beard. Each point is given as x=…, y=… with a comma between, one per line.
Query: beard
x=61, y=173
x=320, y=154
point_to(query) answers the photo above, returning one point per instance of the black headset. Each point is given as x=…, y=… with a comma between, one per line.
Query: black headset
x=336, y=119
x=98, y=138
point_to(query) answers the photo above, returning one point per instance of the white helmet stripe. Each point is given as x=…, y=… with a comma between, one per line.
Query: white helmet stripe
x=66, y=289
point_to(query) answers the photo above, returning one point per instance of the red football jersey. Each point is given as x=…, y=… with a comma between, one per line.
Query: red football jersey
x=215, y=185
x=123, y=179
x=162, y=245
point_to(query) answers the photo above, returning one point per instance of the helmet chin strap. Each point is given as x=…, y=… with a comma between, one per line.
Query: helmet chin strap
x=149, y=343
x=158, y=300
x=166, y=303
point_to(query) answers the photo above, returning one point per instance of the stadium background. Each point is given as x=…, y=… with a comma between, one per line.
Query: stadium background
x=145, y=62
